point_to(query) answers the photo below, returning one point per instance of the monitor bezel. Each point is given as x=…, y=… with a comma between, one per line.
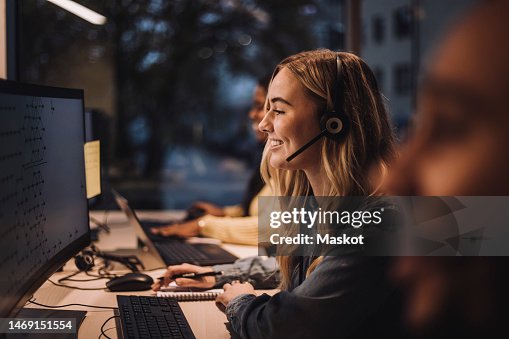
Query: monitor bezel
x=40, y=276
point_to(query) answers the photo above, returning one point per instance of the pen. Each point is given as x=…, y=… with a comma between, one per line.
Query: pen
x=194, y=275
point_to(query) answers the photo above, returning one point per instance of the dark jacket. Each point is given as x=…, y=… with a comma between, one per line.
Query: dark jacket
x=344, y=297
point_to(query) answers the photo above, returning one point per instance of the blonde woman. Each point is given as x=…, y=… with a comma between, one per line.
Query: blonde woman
x=325, y=296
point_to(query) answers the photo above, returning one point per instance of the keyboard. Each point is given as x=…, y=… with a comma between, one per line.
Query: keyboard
x=151, y=317
x=177, y=252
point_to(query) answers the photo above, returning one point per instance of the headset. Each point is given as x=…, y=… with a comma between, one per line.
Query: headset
x=85, y=260
x=334, y=124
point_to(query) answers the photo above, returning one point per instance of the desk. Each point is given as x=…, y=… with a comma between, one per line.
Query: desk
x=205, y=319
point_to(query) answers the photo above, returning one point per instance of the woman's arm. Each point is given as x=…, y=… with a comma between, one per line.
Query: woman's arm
x=343, y=297
x=262, y=273
x=240, y=230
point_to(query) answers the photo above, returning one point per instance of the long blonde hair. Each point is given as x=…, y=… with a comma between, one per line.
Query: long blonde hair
x=369, y=143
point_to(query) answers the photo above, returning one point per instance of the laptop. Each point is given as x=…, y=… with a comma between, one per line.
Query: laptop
x=174, y=251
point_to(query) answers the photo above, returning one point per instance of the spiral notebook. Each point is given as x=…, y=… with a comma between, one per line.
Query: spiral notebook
x=191, y=296
x=188, y=294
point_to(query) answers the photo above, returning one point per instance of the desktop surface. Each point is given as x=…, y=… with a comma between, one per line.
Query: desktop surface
x=205, y=319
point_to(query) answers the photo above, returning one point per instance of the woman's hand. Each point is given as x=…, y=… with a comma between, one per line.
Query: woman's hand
x=231, y=291
x=209, y=208
x=203, y=282
x=184, y=230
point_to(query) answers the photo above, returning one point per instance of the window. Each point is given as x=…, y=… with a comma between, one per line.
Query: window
x=403, y=20
x=378, y=29
x=173, y=82
x=336, y=38
x=364, y=33
x=402, y=79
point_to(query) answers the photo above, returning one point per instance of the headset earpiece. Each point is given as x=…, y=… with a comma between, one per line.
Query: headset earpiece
x=335, y=123
x=334, y=126
x=84, y=261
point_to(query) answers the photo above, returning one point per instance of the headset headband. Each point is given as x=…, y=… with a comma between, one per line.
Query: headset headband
x=338, y=88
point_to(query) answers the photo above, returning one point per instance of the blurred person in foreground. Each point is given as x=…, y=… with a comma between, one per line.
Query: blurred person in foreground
x=239, y=223
x=460, y=147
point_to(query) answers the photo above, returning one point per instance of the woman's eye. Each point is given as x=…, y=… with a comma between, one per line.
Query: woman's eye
x=278, y=111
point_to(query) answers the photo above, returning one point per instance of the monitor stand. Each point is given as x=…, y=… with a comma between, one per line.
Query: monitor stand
x=49, y=314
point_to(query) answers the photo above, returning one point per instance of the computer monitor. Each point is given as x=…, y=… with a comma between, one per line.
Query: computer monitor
x=43, y=204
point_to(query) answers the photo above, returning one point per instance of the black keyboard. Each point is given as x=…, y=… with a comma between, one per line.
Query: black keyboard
x=178, y=252
x=152, y=317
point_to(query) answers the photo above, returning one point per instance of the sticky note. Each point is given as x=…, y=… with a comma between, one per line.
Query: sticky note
x=93, y=168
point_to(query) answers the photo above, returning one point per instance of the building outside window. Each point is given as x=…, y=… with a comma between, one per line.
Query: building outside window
x=402, y=79
x=403, y=21
x=378, y=29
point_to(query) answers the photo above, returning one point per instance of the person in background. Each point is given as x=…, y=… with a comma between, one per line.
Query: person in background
x=321, y=296
x=460, y=147
x=234, y=224
x=238, y=224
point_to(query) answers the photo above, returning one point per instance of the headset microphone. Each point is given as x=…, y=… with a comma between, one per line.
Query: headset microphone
x=308, y=144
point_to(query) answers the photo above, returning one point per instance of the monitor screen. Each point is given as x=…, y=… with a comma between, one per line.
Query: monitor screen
x=43, y=204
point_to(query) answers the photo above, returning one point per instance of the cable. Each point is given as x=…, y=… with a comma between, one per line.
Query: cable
x=67, y=277
x=104, y=324
x=111, y=328
x=105, y=275
x=103, y=271
x=29, y=299
x=155, y=269
x=100, y=224
x=66, y=305
x=77, y=288
x=92, y=279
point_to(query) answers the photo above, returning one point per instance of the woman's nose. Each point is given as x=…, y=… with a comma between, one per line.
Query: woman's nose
x=266, y=125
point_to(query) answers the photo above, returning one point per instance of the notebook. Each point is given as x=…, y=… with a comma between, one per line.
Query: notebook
x=188, y=294
x=192, y=296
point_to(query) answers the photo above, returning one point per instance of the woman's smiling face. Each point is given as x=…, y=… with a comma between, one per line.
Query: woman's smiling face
x=291, y=120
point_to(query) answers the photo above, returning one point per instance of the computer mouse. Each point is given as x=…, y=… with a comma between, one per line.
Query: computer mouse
x=130, y=282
